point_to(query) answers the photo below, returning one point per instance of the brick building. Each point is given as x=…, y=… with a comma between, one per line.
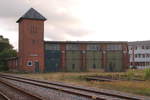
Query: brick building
x=86, y=56
x=37, y=55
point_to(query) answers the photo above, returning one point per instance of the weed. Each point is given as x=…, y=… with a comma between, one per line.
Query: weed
x=147, y=74
x=130, y=74
x=141, y=87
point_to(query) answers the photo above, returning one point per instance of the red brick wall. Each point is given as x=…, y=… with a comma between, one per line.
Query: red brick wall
x=104, y=59
x=125, y=56
x=83, y=57
x=31, y=44
x=104, y=56
x=63, y=57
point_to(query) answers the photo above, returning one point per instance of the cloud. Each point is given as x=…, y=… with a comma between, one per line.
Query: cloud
x=12, y=8
x=60, y=24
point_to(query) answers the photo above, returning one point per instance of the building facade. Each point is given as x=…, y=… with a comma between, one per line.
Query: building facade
x=85, y=56
x=37, y=55
x=139, y=53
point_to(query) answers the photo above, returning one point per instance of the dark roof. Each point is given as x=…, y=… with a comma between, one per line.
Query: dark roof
x=90, y=42
x=139, y=43
x=32, y=14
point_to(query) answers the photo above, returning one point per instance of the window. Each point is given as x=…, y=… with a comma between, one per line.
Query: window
x=93, y=47
x=135, y=55
x=143, y=55
x=52, y=47
x=147, y=47
x=135, y=47
x=130, y=47
x=29, y=63
x=33, y=28
x=73, y=47
x=94, y=66
x=147, y=55
x=139, y=55
x=73, y=66
x=114, y=47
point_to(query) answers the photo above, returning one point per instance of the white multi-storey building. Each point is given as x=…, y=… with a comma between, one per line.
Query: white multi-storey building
x=139, y=53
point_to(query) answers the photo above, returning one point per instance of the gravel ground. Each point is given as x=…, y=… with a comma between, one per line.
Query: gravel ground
x=83, y=92
x=48, y=94
x=55, y=94
x=13, y=93
x=2, y=98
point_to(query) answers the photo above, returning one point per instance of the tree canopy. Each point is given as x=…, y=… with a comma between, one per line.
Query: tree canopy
x=6, y=51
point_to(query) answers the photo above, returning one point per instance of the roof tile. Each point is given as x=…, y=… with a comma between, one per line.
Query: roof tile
x=32, y=14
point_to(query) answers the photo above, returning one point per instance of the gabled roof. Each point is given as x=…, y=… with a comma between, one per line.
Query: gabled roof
x=32, y=14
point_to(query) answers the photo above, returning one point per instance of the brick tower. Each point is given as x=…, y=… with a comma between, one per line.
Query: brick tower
x=31, y=41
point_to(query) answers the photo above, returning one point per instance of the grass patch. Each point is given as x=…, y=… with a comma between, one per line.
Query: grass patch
x=141, y=88
x=147, y=74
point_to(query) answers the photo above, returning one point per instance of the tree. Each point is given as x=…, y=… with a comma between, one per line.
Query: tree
x=6, y=51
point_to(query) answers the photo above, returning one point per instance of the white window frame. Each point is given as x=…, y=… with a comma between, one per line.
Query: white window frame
x=29, y=62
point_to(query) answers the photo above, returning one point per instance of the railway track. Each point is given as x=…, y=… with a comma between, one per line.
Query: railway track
x=98, y=79
x=3, y=96
x=80, y=91
x=11, y=92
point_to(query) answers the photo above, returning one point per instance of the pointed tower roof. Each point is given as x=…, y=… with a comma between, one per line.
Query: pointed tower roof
x=32, y=14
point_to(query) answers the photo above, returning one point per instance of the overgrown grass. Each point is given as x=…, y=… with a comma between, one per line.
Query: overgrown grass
x=147, y=74
x=130, y=75
x=140, y=87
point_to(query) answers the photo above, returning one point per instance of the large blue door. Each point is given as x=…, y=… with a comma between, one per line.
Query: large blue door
x=52, y=60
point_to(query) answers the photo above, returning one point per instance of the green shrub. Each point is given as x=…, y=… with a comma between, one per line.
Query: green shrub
x=3, y=66
x=130, y=75
x=6, y=51
x=147, y=74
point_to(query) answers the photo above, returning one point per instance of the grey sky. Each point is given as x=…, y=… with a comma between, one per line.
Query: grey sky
x=103, y=20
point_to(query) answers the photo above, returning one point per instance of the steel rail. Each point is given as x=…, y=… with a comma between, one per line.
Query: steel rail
x=4, y=96
x=21, y=90
x=73, y=87
x=63, y=90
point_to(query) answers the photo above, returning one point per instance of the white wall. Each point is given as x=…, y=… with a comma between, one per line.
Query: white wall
x=141, y=51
